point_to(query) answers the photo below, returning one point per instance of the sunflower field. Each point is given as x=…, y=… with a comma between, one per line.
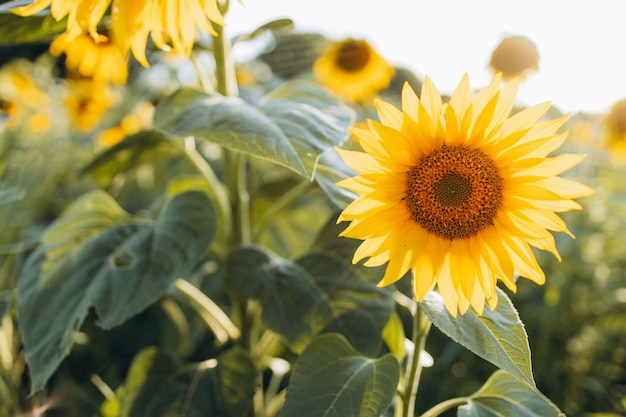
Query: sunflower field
x=312, y=231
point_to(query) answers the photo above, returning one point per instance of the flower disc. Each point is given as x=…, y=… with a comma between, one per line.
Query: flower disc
x=353, y=69
x=454, y=192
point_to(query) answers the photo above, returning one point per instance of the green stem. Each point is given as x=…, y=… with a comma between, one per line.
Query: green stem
x=217, y=189
x=421, y=326
x=219, y=323
x=279, y=205
x=224, y=65
x=445, y=406
x=236, y=166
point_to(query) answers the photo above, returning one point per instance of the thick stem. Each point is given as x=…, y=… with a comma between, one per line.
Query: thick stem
x=226, y=83
x=421, y=326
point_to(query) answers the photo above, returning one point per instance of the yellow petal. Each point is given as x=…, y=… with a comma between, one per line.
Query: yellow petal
x=388, y=113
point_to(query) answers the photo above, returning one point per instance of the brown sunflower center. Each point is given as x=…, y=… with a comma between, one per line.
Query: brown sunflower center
x=353, y=55
x=454, y=192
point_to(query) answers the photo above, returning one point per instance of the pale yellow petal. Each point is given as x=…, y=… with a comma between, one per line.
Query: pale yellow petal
x=432, y=103
x=409, y=102
x=461, y=97
x=361, y=162
x=524, y=259
x=35, y=7
x=389, y=114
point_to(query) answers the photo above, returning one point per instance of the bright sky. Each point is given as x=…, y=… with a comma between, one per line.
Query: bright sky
x=582, y=43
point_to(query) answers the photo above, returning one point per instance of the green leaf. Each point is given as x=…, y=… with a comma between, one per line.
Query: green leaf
x=10, y=194
x=504, y=395
x=142, y=147
x=291, y=126
x=330, y=378
x=96, y=256
x=149, y=368
x=497, y=336
x=277, y=24
x=330, y=170
x=156, y=386
x=15, y=30
x=319, y=293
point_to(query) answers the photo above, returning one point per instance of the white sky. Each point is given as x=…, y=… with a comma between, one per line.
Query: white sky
x=582, y=43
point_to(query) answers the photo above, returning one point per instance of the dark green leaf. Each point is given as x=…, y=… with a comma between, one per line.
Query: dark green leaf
x=320, y=292
x=15, y=30
x=147, y=374
x=330, y=170
x=10, y=194
x=497, y=336
x=330, y=378
x=141, y=147
x=504, y=395
x=95, y=255
x=156, y=387
x=291, y=126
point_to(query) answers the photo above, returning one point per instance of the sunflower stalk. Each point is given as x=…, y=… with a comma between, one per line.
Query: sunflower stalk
x=236, y=165
x=420, y=329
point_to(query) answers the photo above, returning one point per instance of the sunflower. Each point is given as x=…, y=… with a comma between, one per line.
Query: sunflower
x=139, y=118
x=174, y=21
x=459, y=193
x=88, y=100
x=353, y=69
x=515, y=56
x=89, y=58
x=616, y=132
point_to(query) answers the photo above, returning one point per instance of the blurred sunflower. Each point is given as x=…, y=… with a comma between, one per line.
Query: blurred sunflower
x=616, y=132
x=140, y=118
x=353, y=69
x=459, y=193
x=98, y=59
x=515, y=56
x=87, y=100
x=23, y=101
x=168, y=21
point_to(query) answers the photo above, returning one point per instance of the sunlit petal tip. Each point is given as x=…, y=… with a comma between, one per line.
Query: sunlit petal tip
x=497, y=79
x=388, y=113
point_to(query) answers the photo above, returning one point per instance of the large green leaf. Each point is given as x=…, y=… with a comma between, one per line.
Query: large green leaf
x=156, y=386
x=505, y=396
x=320, y=292
x=143, y=147
x=15, y=30
x=291, y=126
x=330, y=378
x=96, y=255
x=330, y=170
x=497, y=336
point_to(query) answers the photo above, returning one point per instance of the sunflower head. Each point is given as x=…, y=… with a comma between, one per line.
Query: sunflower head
x=459, y=193
x=87, y=100
x=616, y=132
x=173, y=24
x=92, y=58
x=353, y=69
x=515, y=56
x=140, y=118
